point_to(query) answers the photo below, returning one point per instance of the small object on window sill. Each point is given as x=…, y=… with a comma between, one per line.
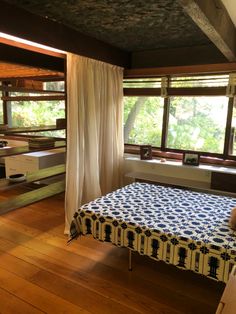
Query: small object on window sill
x=18, y=177
x=145, y=152
x=60, y=123
x=162, y=160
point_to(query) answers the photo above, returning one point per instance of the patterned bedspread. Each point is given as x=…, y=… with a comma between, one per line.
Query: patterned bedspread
x=181, y=227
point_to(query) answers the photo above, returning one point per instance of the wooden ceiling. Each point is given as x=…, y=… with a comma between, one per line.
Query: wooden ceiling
x=10, y=71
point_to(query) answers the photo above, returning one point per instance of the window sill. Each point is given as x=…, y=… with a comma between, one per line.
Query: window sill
x=174, y=173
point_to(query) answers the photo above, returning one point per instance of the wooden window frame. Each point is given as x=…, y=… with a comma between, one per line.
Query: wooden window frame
x=212, y=158
x=58, y=95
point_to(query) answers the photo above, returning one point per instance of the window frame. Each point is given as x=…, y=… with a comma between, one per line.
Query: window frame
x=213, y=158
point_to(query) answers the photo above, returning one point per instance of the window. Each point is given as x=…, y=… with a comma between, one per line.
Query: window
x=233, y=132
x=193, y=114
x=36, y=106
x=143, y=120
x=36, y=113
x=197, y=123
x=1, y=112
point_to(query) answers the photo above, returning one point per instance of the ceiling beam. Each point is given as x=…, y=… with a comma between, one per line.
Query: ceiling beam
x=213, y=19
x=181, y=70
x=177, y=56
x=21, y=23
x=16, y=55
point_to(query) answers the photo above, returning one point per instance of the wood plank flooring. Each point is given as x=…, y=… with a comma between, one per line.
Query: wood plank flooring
x=39, y=273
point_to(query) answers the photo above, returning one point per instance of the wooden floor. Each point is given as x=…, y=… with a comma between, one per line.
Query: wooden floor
x=39, y=273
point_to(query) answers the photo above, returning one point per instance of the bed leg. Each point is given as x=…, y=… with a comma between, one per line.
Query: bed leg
x=130, y=260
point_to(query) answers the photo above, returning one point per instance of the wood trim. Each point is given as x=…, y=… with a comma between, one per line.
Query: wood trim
x=34, y=98
x=181, y=56
x=213, y=19
x=180, y=70
x=165, y=122
x=228, y=127
x=29, y=47
x=4, y=104
x=21, y=23
x=28, y=90
x=191, y=91
x=32, y=197
x=165, y=119
x=20, y=56
x=31, y=129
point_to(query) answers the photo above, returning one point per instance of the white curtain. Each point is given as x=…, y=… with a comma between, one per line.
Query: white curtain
x=94, y=131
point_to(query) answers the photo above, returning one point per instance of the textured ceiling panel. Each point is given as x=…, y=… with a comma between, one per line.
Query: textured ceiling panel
x=132, y=25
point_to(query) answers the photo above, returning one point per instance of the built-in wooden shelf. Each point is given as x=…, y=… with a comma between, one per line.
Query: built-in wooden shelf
x=41, y=174
x=4, y=152
x=32, y=196
x=31, y=129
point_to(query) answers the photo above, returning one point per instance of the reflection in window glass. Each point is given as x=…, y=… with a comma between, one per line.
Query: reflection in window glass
x=143, y=120
x=197, y=123
x=36, y=113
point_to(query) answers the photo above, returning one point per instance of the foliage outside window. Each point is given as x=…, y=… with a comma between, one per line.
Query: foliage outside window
x=233, y=131
x=197, y=123
x=37, y=113
x=193, y=116
x=143, y=120
x=28, y=112
x=1, y=112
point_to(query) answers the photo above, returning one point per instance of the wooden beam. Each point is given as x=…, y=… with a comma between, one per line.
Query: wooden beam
x=23, y=24
x=21, y=56
x=178, y=91
x=213, y=19
x=181, y=70
x=177, y=56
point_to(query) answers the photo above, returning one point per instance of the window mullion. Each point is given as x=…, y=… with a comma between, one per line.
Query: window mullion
x=165, y=119
x=227, y=142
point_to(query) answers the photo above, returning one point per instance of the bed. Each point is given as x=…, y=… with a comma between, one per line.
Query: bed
x=178, y=226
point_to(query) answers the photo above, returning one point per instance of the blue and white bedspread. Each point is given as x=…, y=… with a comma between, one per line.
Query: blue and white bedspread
x=181, y=227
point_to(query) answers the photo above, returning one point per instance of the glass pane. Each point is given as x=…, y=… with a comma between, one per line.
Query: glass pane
x=32, y=113
x=200, y=81
x=197, y=123
x=57, y=133
x=56, y=85
x=142, y=83
x=143, y=120
x=233, y=130
x=1, y=112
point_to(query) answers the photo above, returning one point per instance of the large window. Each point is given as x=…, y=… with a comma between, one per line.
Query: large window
x=1, y=112
x=197, y=123
x=36, y=113
x=37, y=107
x=190, y=113
x=233, y=132
x=143, y=120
